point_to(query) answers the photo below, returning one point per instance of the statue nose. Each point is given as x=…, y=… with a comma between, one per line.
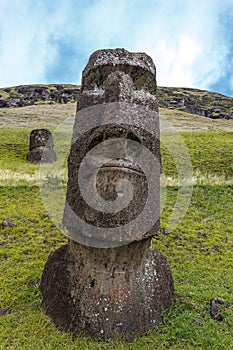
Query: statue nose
x=118, y=86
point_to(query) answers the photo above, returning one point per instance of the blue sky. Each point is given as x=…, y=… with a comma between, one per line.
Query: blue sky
x=50, y=41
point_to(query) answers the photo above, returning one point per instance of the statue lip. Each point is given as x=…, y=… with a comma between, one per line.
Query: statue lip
x=122, y=165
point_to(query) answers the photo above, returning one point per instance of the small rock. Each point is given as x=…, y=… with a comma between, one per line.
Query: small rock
x=33, y=283
x=198, y=321
x=7, y=223
x=5, y=312
x=214, y=308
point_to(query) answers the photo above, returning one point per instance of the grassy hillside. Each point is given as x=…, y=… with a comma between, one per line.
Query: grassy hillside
x=199, y=249
x=198, y=102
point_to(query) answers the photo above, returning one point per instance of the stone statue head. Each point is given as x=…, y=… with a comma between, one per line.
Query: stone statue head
x=115, y=154
x=41, y=147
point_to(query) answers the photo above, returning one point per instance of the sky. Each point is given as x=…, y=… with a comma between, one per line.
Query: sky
x=50, y=41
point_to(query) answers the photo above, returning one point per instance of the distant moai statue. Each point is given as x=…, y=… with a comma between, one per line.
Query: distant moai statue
x=109, y=280
x=41, y=147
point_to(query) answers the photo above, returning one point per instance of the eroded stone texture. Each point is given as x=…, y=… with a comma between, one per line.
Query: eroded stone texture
x=41, y=147
x=108, y=280
x=113, y=292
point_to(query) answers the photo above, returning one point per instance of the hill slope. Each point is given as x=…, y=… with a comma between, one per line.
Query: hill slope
x=194, y=101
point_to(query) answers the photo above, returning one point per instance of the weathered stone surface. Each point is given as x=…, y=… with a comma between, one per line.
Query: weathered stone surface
x=113, y=292
x=108, y=280
x=125, y=108
x=41, y=147
x=102, y=63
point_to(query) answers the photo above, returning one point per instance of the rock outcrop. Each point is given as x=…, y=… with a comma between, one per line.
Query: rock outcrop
x=26, y=95
x=200, y=102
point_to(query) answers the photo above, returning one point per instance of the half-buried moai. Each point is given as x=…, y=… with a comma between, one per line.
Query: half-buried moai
x=41, y=147
x=109, y=280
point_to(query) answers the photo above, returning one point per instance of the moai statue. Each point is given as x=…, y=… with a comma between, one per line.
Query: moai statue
x=41, y=147
x=109, y=280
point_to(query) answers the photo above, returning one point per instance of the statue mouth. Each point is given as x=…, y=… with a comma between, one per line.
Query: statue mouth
x=123, y=165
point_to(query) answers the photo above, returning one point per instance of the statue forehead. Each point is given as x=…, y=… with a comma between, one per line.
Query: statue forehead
x=120, y=57
x=102, y=63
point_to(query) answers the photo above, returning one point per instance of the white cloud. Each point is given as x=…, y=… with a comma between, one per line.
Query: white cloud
x=25, y=48
x=18, y=61
x=185, y=38
x=186, y=46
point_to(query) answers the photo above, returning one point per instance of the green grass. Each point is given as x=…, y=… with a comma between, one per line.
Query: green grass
x=199, y=251
x=14, y=145
x=210, y=152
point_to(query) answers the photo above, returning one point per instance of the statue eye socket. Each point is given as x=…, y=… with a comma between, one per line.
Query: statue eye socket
x=98, y=139
x=133, y=137
x=115, y=133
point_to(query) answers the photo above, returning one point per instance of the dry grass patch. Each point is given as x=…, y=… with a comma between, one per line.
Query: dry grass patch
x=36, y=116
x=183, y=121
